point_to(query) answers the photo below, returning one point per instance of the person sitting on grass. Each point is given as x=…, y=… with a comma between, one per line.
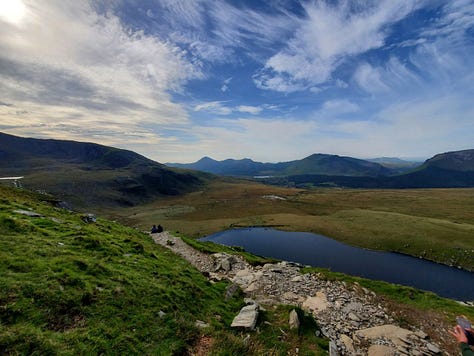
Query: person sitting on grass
x=460, y=334
x=154, y=229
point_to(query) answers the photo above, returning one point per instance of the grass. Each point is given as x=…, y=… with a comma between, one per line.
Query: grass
x=436, y=224
x=68, y=287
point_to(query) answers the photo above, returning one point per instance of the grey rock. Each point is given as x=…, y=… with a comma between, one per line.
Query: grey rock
x=294, y=321
x=333, y=349
x=247, y=318
x=31, y=214
x=201, y=324
x=433, y=348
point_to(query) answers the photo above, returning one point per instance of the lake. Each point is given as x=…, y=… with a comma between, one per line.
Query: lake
x=320, y=251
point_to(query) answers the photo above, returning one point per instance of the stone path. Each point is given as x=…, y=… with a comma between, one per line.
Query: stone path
x=349, y=315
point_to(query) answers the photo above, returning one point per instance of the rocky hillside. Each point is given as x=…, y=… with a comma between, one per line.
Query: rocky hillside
x=86, y=174
x=461, y=161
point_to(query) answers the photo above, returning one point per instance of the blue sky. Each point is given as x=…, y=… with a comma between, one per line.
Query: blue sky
x=271, y=80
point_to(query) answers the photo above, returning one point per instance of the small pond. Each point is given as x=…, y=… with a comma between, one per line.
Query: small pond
x=320, y=251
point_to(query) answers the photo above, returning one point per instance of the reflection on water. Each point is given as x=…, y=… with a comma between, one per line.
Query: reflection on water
x=320, y=251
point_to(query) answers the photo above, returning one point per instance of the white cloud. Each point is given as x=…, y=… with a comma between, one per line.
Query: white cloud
x=326, y=37
x=370, y=79
x=338, y=106
x=67, y=66
x=254, y=110
x=215, y=107
x=219, y=108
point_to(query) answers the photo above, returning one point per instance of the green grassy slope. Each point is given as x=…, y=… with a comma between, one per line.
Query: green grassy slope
x=69, y=288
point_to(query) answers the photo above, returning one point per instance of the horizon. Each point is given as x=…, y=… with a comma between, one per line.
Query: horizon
x=273, y=80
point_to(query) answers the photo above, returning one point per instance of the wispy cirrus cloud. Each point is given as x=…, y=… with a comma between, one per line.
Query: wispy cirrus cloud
x=326, y=37
x=221, y=108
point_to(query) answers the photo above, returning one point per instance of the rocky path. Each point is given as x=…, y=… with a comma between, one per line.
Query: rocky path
x=353, y=318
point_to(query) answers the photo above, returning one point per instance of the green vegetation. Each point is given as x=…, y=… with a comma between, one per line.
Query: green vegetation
x=68, y=287
x=436, y=224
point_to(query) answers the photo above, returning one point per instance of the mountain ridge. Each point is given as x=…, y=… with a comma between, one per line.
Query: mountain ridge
x=86, y=174
x=317, y=163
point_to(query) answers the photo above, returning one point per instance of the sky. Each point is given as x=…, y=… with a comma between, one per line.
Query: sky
x=270, y=80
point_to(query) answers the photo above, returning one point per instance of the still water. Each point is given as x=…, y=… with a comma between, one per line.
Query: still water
x=320, y=251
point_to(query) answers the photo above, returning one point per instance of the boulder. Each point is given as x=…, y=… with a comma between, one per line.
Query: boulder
x=247, y=318
x=391, y=332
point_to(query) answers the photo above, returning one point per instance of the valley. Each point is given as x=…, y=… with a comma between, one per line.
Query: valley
x=435, y=224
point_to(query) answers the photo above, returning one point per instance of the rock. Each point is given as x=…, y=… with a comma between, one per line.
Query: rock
x=89, y=218
x=348, y=343
x=294, y=321
x=251, y=288
x=291, y=296
x=333, y=349
x=230, y=291
x=381, y=350
x=297, y=278
x=247, y=318
x=201, y=324
x=421, y=334
x=391, y=332
x=317, y=303
x=433, y=348
x=31, y=214
x=353, y=317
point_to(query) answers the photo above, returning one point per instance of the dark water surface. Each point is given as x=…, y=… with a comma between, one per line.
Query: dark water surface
x=320, y=251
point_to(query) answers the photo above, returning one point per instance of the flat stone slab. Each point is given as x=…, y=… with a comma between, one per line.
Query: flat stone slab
x=28, y=213
x=317, y=303
x=381, y=350
x=247, y=318
x=392, y=332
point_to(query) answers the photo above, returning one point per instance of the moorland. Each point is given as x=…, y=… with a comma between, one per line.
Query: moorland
x=435, y=224
x=70, y=287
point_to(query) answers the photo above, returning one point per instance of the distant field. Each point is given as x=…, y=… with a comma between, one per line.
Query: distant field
x=437, y=224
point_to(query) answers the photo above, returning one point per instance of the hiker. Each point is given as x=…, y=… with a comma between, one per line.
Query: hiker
x=154, y=229
x=460, y=334
x=159, y=228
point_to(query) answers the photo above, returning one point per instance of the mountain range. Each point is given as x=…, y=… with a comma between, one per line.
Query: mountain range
x=315, y=164
x=450, y=169
x=87, y=173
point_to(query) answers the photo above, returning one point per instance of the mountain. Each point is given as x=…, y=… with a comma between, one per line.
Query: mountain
x=335, y=165
x=461, y=161
x=229, y=167
x=446, y=170
x=314, y=164
x=86, y=174
x=396, y=164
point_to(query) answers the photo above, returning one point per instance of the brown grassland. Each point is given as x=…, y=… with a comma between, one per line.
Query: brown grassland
x=437, y=224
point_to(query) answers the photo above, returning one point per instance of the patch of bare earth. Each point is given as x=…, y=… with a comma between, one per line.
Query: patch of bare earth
x=202, y=347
